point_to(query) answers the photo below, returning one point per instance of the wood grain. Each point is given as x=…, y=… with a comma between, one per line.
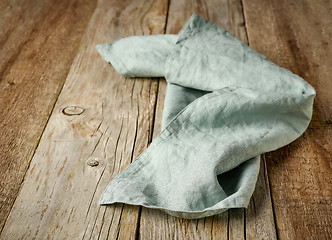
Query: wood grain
x=233, y=224
x=59, y=198
x=298, y=36
x=32, y=73
x=102, y=121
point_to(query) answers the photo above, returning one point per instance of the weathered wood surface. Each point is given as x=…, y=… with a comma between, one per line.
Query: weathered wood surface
x=298, y=36
x=38, y=42
x=59, y=198
x=102, y=121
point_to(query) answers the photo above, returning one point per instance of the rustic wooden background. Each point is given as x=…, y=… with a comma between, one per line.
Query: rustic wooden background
x=62, y=107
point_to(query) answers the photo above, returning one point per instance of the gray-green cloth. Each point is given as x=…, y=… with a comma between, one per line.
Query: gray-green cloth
x=225, y=105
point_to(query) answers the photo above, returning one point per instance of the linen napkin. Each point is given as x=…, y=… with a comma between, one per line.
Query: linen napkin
x=225, y=105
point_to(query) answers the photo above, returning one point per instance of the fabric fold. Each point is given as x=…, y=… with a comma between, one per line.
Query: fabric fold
x=139, y=56
x=225, y=105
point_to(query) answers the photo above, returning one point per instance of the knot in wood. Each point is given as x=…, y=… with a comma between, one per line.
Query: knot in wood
x=72, y=110
x=93, y=163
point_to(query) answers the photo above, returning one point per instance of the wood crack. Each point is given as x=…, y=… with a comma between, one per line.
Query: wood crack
x=133, y=147
x=116, y=146
x=102, y=223
x=118, y=232
x=95, y=146
x=94, y=192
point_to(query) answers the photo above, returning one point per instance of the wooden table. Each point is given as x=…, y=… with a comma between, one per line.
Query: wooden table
x=62, y=108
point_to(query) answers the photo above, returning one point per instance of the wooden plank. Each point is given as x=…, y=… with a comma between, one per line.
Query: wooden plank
x=297, y=36
x=259, y=220
x=236, y=223
x=32, y=73
x=108, y=119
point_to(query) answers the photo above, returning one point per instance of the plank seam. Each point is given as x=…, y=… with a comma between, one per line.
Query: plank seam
x=244, y=21
x=137, y=235
x=244, y=225
x=119, y=225
x=167, y=12
x=271, y=198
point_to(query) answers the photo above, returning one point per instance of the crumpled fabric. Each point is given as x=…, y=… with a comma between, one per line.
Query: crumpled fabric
x=225, y=105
